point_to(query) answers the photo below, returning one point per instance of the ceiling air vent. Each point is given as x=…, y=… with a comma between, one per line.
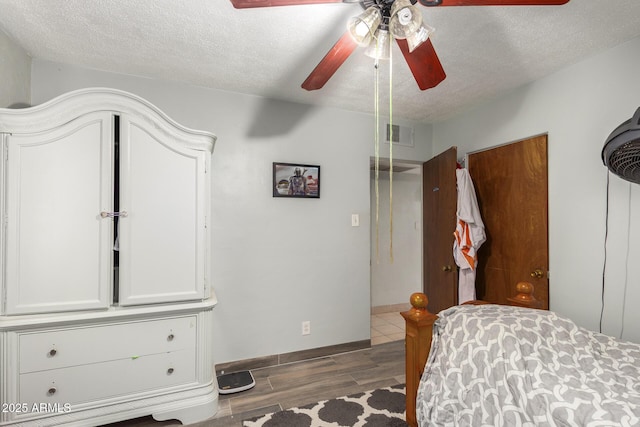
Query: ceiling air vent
x=621, y=152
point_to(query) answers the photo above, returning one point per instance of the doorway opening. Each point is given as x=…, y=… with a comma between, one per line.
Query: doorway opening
x=393, y=281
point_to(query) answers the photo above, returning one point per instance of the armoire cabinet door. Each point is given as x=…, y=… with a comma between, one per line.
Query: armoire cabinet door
x=162, y=237
x=58, y=247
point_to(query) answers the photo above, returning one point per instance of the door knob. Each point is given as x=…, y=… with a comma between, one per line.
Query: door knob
x=537, y=273
x=446, y=268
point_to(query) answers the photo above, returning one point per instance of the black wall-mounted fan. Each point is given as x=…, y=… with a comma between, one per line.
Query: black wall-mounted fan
x=621, y=152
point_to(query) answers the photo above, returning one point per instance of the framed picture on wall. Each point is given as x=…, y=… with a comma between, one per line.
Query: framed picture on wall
x=296, y=180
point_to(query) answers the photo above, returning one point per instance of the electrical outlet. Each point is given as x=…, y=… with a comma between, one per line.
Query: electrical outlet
x=306, y=327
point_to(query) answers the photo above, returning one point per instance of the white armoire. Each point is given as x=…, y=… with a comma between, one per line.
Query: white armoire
x=106, y=300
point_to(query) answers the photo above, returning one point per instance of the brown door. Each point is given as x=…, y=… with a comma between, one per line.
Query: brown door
x=511, y=186
x=439, y=210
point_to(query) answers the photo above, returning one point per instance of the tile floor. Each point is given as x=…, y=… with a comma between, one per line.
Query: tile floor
x=386, y=326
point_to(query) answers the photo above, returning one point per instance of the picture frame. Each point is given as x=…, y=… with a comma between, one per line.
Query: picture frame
x=296, y=180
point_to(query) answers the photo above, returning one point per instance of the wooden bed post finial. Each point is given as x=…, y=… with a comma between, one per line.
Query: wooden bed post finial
x=419, y=301
x=524, y=296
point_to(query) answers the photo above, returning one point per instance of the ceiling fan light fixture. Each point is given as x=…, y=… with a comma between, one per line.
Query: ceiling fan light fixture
x=420, y=36
x=363, y=27
x=405, y=19
x=380, y=46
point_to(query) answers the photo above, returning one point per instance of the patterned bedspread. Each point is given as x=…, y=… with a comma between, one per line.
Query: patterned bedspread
x=494, y=365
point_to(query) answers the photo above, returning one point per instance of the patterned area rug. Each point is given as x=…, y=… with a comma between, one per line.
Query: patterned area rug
x=384, y=407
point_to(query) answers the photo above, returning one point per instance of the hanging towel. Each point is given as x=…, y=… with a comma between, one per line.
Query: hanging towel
x=469, y=236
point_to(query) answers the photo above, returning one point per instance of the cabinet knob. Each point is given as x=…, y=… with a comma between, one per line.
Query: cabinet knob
x=169, y=371
x=170, y=337
x=52, y=352
x=51, y=391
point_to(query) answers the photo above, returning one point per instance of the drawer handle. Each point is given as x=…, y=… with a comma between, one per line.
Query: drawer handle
x=169, y=371
x=105, y=214
x=52, y=352
x=170, y=337
x=51, y=391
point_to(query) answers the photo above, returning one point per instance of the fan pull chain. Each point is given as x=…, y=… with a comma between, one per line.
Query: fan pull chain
x=391, y=155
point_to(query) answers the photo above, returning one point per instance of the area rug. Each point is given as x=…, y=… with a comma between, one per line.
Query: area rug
x=384, y=407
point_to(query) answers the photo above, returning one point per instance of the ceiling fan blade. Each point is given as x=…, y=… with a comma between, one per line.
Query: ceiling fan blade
x=243, y=4
x=330, y=63
x=424, y=64
x=493, y=2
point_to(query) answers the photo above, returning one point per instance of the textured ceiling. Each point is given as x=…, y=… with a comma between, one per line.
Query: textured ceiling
x=269, y=52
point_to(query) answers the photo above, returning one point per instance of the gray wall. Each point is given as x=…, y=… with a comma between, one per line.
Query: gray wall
x=15, y=74
x=578, y=107
x=276, y=262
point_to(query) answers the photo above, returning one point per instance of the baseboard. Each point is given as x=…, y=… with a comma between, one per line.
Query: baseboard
x=392, y=308
x=296, y=356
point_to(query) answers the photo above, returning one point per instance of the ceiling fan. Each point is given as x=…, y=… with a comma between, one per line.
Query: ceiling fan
x=381, y=20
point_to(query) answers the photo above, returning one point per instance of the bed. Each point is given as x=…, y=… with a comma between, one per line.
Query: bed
x=483, y=364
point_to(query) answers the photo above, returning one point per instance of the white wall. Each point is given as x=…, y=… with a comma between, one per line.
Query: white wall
x=276, y=262
x=394, y=280
x=578, y=107
x=15, y=74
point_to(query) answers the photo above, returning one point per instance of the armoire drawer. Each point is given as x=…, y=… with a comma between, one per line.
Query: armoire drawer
x=87, y=383
x=53, y=349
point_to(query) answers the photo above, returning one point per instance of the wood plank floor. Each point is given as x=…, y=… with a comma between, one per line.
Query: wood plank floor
x=297, y=384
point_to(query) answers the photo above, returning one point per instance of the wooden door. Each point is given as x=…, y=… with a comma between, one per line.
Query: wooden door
x=439, y=210
x=511, y=186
